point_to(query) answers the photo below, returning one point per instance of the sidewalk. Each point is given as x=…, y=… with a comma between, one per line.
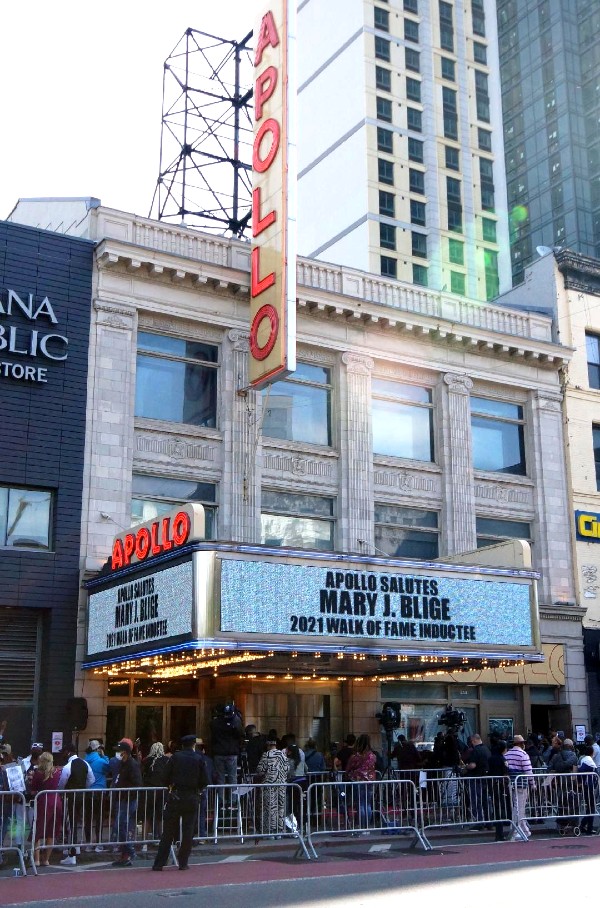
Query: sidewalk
x=252, y=865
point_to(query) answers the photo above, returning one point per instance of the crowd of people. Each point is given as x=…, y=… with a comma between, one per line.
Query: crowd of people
x=280, y=768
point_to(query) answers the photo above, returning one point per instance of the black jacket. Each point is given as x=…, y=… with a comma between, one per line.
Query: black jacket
x=226, y=733
x=186, y=772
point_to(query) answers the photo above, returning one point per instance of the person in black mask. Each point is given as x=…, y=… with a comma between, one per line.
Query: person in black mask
x=186, y=777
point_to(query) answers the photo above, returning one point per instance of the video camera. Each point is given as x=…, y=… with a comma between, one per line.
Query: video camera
x=453, y=719
x=389, y=716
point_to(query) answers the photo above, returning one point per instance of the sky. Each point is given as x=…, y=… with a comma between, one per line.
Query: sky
x=81, y=95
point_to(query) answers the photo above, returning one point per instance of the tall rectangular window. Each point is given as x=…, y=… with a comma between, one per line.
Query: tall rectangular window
x=420, y=275
x=411, y=31
x=385, y=140
x=412, y=59
x=402, y=418
x=416, y=180
x=385, y=171
x=456, y=252
x=457, y=283
x=478, y=16
x=482, y=97
x=406, y=532
x=492, y=282
x=596, y=444
x=25, y=518
x=153, y=496
x=446, y=26
x=387, y=236
x=484, y=138
x=419, y=244
x=381, y=19
x=387, y=205
x=480, y=52
x=299, y=408
x=383, y=78
x=417, y=213
x=176, y=380
x=384, y=109
x=450, y=113
x=452, y=158
x=448, y=69
x=411, y=6
x=297, y=521
x=388, y=266
x=413, y=89
x=383, y=48
x=453, y=194
x=498, y=437
x=415, y=150
x=414, y=119
x=486, y=174
x=592, y=346
x=488, y=229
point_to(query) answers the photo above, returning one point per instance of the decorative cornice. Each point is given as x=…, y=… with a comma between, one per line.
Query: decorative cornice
x=173, y=447
x=240, y=340
x=181, y=327
x=114, y=316
x=298, y=465
x=404, y=481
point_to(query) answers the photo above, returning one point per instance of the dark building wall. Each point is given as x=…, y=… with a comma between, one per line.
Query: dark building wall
x=42, y=446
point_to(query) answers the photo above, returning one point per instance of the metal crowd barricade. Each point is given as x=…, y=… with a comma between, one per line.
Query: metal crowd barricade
x=14, y=826
x=253, y=810
x=562, y=799
x=97, y=820
x=458, y=801
x=383, y=807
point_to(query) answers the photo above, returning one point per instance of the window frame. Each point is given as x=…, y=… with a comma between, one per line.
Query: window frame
x=271, y=510
x=593, y=366
x=48, y=503
x=517, y=421
x=420, y=533
x=391, y=230
x=297, y=380
x=211, y=507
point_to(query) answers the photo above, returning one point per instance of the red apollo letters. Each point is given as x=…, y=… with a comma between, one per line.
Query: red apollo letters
x=161, y=536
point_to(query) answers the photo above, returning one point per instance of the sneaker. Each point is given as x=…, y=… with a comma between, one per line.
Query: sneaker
x=70, y=861
x=99, y=849
x=144, y=848
x=127, y=863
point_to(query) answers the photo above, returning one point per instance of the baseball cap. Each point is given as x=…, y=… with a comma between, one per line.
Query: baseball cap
x=186, y=740
x=94, y=744
x=5, y=749
x=123, y=745
x=37, y=745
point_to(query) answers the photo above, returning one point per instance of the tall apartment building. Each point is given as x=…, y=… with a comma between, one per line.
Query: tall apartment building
x=550, y=71
x=400, y=152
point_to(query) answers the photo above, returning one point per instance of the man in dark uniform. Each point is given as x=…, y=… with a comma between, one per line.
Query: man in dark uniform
x=186, y=777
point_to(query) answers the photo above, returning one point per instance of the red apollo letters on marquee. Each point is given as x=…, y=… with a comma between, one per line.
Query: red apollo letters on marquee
x=162, y=536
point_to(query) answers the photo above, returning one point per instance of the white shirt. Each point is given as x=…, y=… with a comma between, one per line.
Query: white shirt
x=596, y=755
x=66, y=774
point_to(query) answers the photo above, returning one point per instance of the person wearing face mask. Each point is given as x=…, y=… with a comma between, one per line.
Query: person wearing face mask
x=129, y=776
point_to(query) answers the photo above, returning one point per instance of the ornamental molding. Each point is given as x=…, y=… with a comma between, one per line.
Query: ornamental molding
x=492, y=492
x=402, y=374
x=114, y=316
x=404, y=481
x=239, y=340
x=549, y=400
x=357, y=364
x=458, y=384
x=320, y=357
x=174, y=448
x=298, y=465
x=180, y=327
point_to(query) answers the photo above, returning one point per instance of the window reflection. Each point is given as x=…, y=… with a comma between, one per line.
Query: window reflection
x=25, y=518
x=298, y=409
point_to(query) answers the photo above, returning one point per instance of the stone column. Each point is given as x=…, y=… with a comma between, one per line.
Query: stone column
x=456, y=460
x=356, y=522
x=546, y=466
x=240, y=495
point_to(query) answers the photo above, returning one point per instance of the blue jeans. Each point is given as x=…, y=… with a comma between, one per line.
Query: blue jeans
x=365, y=810
x=125, y=818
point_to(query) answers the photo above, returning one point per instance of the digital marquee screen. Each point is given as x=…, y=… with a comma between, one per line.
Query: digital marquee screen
x=300, y=600
x=141, y=612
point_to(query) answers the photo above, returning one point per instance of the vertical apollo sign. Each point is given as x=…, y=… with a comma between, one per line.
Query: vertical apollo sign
x=273, y=264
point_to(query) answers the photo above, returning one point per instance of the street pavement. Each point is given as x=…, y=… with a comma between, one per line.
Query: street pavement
x=348, y=874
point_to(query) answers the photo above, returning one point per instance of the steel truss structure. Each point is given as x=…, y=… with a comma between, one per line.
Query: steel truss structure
x=206, y=136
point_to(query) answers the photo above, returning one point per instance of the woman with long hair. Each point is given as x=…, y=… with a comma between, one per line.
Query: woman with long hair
x=151, y=804
x=44, y=782
x=361, y=768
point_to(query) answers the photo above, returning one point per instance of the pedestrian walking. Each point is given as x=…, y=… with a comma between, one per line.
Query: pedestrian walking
x=521, y=773
x=185, y=776
x=129, y=776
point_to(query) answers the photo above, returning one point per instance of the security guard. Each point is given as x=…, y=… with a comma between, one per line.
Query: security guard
x=186, y=777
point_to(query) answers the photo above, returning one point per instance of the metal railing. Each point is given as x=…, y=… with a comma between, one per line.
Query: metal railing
x=384, y=807
x=14, y=826
x=130, y=820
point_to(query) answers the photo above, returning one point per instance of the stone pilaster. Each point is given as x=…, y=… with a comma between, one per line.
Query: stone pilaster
x=455, y=457
x=546, y=466
x=357, y=456
x=241, y=518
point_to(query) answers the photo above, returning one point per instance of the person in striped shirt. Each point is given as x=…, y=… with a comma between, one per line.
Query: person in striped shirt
x=519, y=765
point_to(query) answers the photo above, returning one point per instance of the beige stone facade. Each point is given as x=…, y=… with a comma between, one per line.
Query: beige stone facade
x=362, y=328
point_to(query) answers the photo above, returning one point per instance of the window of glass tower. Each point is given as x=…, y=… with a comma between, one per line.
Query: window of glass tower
x=497, y=428
x=402, y=420
x=299, y=408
